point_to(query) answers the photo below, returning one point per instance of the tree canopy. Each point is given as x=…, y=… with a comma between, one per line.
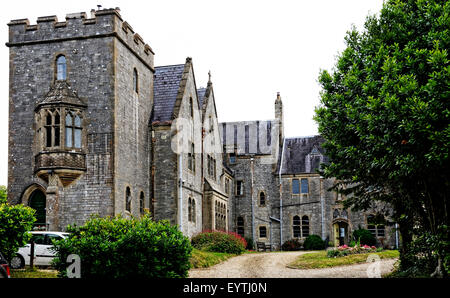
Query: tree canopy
x=385, y=114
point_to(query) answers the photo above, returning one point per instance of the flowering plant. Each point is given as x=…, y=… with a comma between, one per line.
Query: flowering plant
x=345, y=250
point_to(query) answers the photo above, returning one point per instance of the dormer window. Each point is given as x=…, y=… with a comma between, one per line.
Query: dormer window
x=61, y=68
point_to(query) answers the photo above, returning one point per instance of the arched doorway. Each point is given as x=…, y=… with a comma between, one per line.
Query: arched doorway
x=340, y=233
x=37, y=201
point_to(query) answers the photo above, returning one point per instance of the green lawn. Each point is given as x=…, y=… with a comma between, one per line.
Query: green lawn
x=203, y=259
x=320, y=260
x=33, y=273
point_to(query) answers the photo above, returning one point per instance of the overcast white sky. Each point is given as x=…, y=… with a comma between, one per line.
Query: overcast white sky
x=254, y=49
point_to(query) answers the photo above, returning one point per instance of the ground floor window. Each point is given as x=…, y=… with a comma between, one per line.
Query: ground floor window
x=262, y=232
x=376, y=225
x=240, y=226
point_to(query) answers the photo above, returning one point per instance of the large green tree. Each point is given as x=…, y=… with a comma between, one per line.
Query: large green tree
x=385, y=111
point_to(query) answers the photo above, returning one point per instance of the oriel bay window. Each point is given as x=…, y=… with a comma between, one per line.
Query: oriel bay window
x=54, y=134
x=60, y=131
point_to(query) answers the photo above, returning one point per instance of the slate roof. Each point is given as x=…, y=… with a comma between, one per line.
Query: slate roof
x=303, y=155
x=165, y=88
x=201, y=94
x=249, y=143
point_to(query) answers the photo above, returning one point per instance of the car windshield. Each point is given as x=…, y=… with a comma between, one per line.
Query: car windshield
x=38, y=238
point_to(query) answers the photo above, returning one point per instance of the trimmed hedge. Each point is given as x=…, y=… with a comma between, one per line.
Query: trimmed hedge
x=218, y=241
x=125, y=248
x=314, y=242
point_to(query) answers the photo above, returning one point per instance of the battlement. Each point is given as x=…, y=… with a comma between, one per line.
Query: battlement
x=101, y=23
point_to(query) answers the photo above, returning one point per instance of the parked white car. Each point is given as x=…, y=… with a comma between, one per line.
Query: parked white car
x=43, y=255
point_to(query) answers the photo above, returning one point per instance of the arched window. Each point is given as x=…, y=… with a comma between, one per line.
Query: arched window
x=305, y=226
x=336, y=213
x=262, y=199
x=135, y=81
x=296, y=226
x=61, y=68
x=141, y=203
x=190, y=209
x=128, y=200
x=37, y=201
x=193, y=211
x=240, y=226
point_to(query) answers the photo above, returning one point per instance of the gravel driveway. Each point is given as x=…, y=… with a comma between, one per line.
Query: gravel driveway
x=273, y=264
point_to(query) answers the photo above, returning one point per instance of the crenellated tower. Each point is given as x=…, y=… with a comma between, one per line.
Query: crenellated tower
x=81, y=93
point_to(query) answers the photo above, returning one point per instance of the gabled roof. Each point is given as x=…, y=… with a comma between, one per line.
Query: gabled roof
x=303, y=155
x=166, y=85
x=213, y=187
x=61, y=93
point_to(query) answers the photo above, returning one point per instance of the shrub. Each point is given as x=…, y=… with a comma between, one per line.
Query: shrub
x=15, y=222
x=291, y=245
x=125, y=248
x=250, y=244
x=218, y=241
x=314, y=242
x=364, y=237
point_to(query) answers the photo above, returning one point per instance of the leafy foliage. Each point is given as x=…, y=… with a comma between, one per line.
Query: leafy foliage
x=314, y=242
x=125, y=248
x=364, y=237
x=385, y=115
x=218, y=241
x=291, y=245
x=15, y=222
x=3, y=194
x=250, y=244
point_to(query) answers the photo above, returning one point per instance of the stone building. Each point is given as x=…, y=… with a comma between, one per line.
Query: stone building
x=279, y=194
x=96, y=128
